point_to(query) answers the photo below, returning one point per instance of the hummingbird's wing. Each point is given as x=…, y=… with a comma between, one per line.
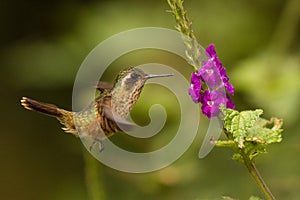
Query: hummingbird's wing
x=121, y=122
x=102, y=86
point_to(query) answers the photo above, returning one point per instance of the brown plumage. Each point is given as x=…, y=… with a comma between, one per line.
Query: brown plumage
x=106, y=114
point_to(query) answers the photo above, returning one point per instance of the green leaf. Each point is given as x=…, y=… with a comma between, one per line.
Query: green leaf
x=262, y=134
x=224, y=143
x=248, y=133
x=238, y=123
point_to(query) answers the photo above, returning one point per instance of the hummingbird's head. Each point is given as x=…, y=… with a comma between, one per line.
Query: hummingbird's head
x=133, y=79
x=127, y=89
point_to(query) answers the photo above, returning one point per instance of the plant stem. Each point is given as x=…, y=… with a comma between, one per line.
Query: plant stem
x=94, y=185
x=257, y=177
x=194, y=52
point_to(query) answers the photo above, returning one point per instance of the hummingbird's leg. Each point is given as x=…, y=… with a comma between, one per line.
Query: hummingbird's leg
x=101, y=145
x=92, y=145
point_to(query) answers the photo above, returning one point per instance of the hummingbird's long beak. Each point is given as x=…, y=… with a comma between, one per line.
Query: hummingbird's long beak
x=157, y=75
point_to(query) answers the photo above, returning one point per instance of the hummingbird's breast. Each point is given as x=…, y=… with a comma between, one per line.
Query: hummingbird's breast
x=93, y=121
x=100, y=118
x=122, y=104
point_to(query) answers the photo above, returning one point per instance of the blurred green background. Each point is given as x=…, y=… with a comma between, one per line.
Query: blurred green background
x=42, y=46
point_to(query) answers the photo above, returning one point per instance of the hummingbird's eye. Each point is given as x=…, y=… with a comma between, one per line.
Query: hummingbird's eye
x=134, y=76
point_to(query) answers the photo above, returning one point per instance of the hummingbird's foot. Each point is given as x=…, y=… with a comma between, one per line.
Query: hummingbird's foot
x=101, y=145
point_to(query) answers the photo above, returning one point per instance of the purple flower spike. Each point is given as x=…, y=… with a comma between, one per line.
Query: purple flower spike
x=210, y=74
x=210, y=51
x=229, y=102
x=212, y=55
x=212, y=101
x=229, y=88
x=214, y=75
x=195, y=88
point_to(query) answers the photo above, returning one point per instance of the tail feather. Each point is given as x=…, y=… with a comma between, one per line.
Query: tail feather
x=41, y=107
x=65, y=117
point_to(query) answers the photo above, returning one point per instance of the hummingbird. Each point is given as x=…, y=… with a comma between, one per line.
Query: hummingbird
x=105, y=115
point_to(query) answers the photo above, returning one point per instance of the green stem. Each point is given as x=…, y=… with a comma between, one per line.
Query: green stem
x=257, y=177
x=95, y=188
x=194, y=55
x=194, y=52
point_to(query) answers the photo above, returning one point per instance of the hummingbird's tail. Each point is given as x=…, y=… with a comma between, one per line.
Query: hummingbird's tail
x=65, y=117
